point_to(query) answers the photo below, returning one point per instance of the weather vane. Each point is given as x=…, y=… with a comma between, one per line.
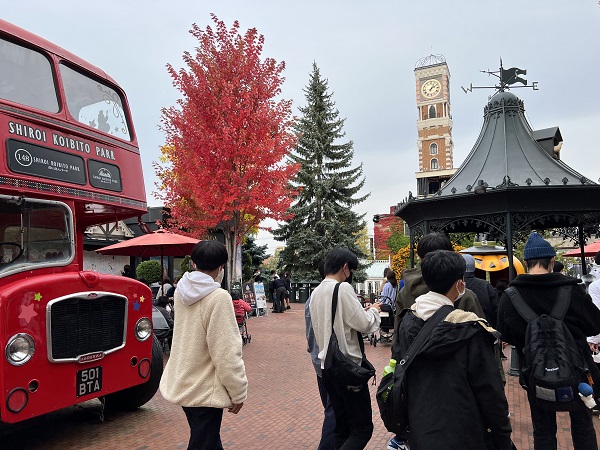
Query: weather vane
x=507, y=78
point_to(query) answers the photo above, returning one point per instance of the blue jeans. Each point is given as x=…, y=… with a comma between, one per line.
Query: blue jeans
x=205, y=428
x=353, y=414
x=544, y=428
x=328, y=430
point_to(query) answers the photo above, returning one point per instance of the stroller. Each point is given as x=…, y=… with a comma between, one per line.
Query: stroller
x=162, y=329
x=385, y=333
x=242, y=325
x=241, y=309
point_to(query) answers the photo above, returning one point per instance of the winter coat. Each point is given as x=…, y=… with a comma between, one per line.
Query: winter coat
x=414, y=285
x=486, y=294
x=454, y=390
x=539, y=292
x=205, y=367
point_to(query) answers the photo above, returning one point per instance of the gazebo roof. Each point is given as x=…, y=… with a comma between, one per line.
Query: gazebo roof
x=519, y=172
x=507, y=153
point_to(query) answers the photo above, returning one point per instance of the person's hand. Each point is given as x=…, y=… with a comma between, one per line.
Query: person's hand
x=236, y=408
x=593, y=347
x=376, y=305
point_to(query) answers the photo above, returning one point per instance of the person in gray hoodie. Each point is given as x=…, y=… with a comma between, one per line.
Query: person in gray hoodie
x=205, y=372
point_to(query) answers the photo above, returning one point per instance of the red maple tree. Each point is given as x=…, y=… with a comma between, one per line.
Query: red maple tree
x=224, y=162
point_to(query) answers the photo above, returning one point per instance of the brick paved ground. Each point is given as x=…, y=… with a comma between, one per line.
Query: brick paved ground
x=283, y=410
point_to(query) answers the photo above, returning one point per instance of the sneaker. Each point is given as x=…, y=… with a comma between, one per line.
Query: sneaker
x=289, y=307
x=397, y=444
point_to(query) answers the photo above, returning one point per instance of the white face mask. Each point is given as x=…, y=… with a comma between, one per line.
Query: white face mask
x=220, y=275
x=460, y=294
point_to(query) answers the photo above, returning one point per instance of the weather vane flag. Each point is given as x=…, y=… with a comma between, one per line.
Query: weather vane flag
x=507, y=78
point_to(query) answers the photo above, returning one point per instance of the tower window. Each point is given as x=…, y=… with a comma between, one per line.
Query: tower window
x=434, y=163
x=432, y=112
x=433, y=149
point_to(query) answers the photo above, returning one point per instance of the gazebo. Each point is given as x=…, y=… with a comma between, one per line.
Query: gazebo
x=511, y=183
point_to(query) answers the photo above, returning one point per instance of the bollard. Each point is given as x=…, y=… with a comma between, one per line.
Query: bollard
x=514, y=362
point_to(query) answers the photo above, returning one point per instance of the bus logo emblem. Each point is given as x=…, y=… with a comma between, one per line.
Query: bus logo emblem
x=105, y=173
x=90, y=357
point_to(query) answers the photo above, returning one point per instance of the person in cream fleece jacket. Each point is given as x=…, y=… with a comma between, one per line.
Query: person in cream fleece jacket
x=205, y=372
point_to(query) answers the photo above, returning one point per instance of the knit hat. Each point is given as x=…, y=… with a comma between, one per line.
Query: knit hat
x=537, y=248
x=470, y=262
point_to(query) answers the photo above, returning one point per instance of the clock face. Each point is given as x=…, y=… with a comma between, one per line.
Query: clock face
x=431, y=88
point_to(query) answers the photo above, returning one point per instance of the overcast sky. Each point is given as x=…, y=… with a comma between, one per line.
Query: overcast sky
x=367, y=51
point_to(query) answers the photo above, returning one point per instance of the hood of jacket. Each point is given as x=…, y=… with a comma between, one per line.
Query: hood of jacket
x=194, y=286
x=414, y=283
x=547, y=279
x=451, y=333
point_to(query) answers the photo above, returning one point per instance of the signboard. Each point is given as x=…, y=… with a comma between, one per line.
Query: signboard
x=261, y=298
x=44, y=162
x=249, y=295
x=104, y=175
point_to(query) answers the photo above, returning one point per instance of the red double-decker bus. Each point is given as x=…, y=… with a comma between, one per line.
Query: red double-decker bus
x=69, y=159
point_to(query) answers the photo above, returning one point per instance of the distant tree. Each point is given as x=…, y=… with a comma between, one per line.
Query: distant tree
x=252, y=256
x=272, y=262
x=149, y=271
x=224, y=163
x=322, y=217
x=362, y=242
x=397, y=240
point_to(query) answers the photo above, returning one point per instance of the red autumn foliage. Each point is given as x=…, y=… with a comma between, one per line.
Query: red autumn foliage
x=228, y=137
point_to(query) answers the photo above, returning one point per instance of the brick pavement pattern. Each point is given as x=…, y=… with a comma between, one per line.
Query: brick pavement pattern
x=283, y=410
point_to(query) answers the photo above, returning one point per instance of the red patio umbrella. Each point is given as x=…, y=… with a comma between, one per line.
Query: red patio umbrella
x=159, y=243
x=588, y=250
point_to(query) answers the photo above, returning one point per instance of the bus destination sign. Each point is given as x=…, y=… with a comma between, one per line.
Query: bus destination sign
x=43, y=162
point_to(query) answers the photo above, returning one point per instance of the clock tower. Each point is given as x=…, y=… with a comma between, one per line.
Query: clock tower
x=434, y=124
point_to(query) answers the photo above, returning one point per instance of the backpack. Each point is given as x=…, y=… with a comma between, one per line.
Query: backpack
x=392, y=393
x=554, y=364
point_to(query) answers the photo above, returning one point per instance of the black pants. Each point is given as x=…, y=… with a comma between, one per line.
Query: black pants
x=353, y=414
x=544, y=428
x=205, y=428
x=279, y=300
x=328, y=430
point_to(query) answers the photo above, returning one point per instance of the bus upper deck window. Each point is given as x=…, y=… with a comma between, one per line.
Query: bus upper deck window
x=94, y=103
x=26, y=77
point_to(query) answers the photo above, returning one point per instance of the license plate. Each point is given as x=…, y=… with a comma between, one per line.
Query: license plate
x=89, y=381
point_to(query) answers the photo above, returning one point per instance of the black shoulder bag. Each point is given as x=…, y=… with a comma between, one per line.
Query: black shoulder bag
x=391, y=393
x=338, y=367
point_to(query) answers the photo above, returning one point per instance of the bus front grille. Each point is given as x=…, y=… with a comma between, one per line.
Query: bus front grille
x=86, y=325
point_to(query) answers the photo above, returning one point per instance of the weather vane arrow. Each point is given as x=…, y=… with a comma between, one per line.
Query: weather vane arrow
x=507, y=78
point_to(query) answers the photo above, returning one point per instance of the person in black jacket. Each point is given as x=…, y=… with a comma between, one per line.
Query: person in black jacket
x=280, y=289
x=539, y=288
x=486, y=294
x=455, y=395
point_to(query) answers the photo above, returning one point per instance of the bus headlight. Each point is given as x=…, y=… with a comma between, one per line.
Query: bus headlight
x=20, y=349
x=143, y=329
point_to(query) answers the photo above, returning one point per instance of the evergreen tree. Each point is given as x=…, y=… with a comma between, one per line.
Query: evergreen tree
x=253, y=256
x=321, y=216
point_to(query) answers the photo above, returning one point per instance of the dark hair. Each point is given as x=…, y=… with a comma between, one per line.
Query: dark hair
x=321, y=268
x=544, y=262
x=209, y=255
x=337, y=257
x=162, y=300
x=433, y=241
x=558, y=266
x=166, y=279
x=441, y=269
x=501, y=284
x=386, y=271
x=597, y=258
x=236, y=294
x=391, y=277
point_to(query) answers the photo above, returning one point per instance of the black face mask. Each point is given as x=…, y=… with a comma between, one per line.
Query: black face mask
x=349, y=279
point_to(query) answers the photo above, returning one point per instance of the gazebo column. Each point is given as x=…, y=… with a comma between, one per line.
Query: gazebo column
x=581, y=247
x=509, y=245
x=411, y=233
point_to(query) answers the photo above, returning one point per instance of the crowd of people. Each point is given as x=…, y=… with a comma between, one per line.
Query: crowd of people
x=457, y=372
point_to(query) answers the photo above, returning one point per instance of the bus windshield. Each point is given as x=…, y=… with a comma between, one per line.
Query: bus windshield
x=34, y=234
